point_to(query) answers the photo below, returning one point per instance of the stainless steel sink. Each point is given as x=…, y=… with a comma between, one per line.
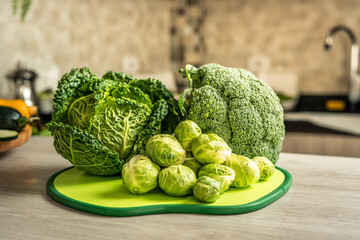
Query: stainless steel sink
x=334, y=113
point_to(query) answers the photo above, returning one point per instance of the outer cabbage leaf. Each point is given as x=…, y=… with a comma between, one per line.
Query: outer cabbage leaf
x=111, y=80
x=82, y=110
x=152, y=128
x=116, y=123
x=73, y=85
x=156, y=90
x=84, y=151
x=133, y=93
x=117, y=77
x=119, y=111
x=81, y=82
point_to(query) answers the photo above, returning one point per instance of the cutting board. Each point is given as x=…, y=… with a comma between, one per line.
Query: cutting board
x=106, y=195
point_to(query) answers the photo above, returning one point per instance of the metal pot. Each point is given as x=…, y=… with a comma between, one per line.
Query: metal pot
x=22, y=85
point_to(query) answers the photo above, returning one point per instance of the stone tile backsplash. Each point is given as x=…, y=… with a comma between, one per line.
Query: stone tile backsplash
x=60, y=35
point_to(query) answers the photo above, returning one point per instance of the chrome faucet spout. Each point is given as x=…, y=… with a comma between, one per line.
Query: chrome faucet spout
x=354, y=84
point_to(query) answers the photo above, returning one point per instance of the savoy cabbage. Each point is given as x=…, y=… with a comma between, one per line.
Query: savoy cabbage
x=99, y=124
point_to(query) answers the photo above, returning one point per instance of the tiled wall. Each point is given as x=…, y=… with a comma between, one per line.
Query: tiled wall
x=290, y=33
x=100, y=33
x=93, y=33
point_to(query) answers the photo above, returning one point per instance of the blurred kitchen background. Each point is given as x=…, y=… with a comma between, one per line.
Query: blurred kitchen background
x=279, y=41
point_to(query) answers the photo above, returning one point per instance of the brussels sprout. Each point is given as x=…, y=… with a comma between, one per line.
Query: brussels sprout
x=266, y=167
x=177, y=180
x=165, y=150
x=140, y=174
x=223, y=174
x=185, y=132
x=246, y=171
x=210, y=148
x=207, y=189
x=192, y=164
x=189, y=155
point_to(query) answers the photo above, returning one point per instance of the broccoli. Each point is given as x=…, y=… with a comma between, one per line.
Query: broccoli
x=237, y=106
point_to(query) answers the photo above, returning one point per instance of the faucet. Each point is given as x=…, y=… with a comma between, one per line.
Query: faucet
x=354, y=84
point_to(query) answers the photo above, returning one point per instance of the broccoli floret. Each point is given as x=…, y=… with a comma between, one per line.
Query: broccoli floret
x=210, y=111
x=237, y=106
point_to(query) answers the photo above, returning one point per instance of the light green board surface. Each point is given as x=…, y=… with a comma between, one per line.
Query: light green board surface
x=107, y=196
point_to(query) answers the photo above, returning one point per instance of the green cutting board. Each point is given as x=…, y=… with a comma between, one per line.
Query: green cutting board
x=108, y=196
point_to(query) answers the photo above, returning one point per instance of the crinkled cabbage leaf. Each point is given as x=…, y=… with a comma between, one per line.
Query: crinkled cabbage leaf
x=84, y=151
x=118, y=112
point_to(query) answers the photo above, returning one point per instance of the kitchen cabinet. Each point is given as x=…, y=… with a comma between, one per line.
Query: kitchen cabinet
x=322, y=144
x=310, y=138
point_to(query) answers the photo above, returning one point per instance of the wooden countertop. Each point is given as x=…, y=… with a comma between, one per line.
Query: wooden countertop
x=322, y=203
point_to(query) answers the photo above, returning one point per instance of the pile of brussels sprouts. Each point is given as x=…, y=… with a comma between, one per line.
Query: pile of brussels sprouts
x=192, y=163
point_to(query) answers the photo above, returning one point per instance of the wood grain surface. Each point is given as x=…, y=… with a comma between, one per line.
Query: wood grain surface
x=323, y=203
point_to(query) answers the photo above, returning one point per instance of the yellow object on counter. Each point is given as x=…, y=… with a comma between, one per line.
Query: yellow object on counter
x=26, y=132
x=20, y=106
x=335, y=105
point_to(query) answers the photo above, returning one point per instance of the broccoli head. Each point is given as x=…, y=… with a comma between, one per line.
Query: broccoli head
x=237, y=106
